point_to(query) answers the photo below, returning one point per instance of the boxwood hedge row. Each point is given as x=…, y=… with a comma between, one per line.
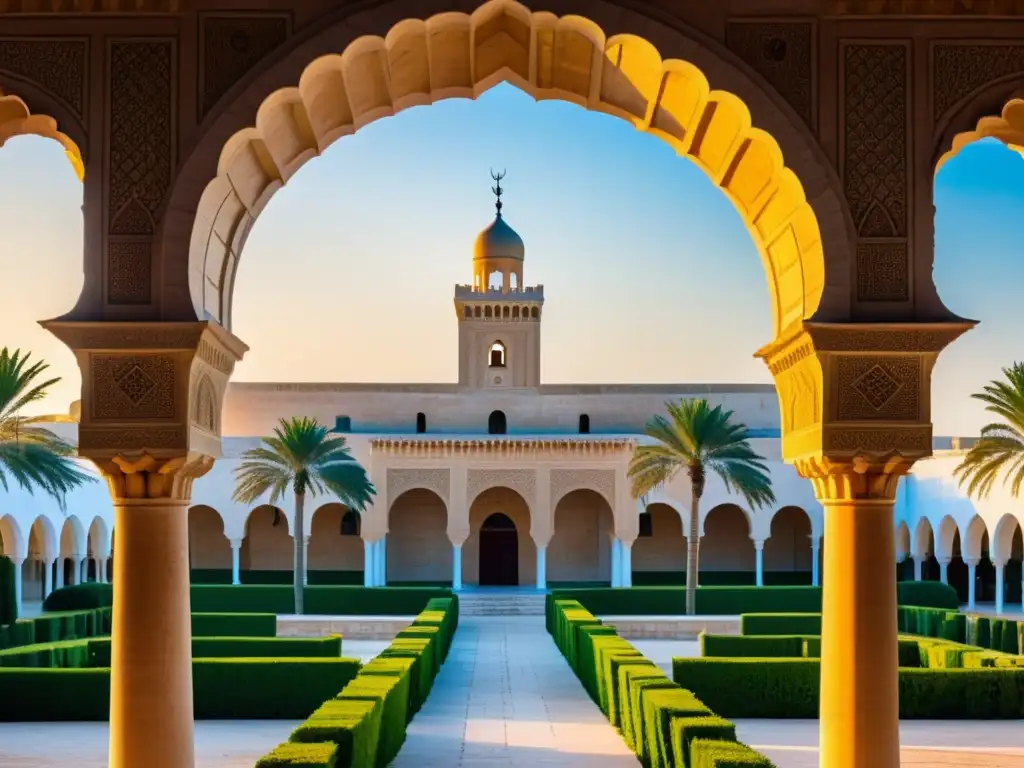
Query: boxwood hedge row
x=364, y=725
x=664, y=724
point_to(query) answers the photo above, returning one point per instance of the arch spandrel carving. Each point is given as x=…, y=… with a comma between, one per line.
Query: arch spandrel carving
x=522, y=481
x=565, y=481
x=401, y=480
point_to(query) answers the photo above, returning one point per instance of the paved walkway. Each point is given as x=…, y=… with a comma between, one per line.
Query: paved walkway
x=505, y=698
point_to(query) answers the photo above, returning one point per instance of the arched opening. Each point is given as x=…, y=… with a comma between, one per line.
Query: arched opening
x=73, y=550
x=787, y=552
x=43, y=538
x=904, y=564
x=209, y=551
x=924, y=551
x=580, y=549
x=584, y=426
x=726, y=551
x=499, y=552
x=268, y=552
x=518, y=563
x=575, y=60
x=418, y=548
x=421, y=423
x=334, y=554
x=497, y=355
x=659, y=558
x=1007, y=547
x=496, y=424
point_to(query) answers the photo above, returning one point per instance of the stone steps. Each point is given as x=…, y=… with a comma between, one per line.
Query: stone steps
x=500, y=605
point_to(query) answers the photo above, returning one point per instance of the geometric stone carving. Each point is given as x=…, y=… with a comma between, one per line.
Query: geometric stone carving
x=783, y=54
x=232, y=45
x=401, y=480
x=58, y=66
x=877, y=386
x=128, y=271
x=522, y=481
x=205, y=405
x=882, y=271
x=141, y=145
x=873, y=388
x=132, y=386
x=565, y=481
x=875, y=137
x=960, y=70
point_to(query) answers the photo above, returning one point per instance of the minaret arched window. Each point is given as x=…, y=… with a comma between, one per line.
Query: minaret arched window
x=496, y=424
x=421, y=423
x=496, y=359
x=584, y=424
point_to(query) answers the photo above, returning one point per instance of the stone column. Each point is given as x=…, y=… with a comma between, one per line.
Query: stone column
x=151, y=421
x=369, y=550
x=626, y=563
x=59, y=570
x=236, y=553
x=918, y=560
x=1000, y=573
x=101, y=570
x=859, y=708
x=759, y=563
x=18, y=561
x=76, y=569
x=943, y=570
x=47, y=578
x=815, y=561
x=616, y=562
x=382, y=562
x=542, y=567
x=972, y=566
x=457, y=566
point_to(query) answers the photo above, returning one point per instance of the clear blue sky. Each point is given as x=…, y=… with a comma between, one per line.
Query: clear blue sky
x=649, y=273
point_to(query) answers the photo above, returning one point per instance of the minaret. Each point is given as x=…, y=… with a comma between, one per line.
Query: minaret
x=499, y=317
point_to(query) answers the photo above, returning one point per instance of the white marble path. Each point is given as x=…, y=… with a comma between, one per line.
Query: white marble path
x=506, y=698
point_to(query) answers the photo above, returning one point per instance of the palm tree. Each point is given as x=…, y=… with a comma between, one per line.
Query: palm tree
x=1000, y=448
x=31, y=454
x=699, y=439
x=302, y=455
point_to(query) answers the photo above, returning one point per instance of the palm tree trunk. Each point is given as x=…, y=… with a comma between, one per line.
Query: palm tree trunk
x=298, y=536
x=692, y=557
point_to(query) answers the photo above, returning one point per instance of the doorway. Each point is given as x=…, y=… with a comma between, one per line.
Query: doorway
x=499, y=552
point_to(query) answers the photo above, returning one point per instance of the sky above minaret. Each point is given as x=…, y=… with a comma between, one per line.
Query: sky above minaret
x=649, y=272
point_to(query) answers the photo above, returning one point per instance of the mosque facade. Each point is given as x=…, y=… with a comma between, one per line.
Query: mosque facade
x=502, y=480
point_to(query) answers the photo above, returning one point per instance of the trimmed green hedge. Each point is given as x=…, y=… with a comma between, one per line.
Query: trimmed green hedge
x=366, y=722
x=260, y=689
x=8, y=599
x=788, y=688
x=79, y=597
x=314, y=577
x=753, y=646
x=927, y=594
x=333, y=601
x=234, y=625
x=665, y=725
x=707, y=753
x=294, y=755
x=236, y=648
x=722, y=578
x=780, y=624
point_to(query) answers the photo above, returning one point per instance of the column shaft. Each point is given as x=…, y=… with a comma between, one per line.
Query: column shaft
x=759, y=563
x=815, y=564
x=616, y=563
x=59, y=569
x=626, y=563
x=859, y=694
x=970, y=585
x=917, y=567
x=151, y=652
x=369, y=548
x=943, y=571
x=18, y=561
x=47, y=578
x=457, y=566
x=382, y=562
x=236, y=556
x=999, y=588
x=542, y=566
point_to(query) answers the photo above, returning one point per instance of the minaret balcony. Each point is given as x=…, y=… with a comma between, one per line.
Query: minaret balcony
x=526, y=293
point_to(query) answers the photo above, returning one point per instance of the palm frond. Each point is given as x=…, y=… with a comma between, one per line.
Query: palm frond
x=999, y=452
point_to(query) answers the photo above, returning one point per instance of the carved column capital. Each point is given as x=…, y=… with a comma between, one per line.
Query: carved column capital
x=140, y=478
x=857, y=392
x=858, y=480
x=151, y=392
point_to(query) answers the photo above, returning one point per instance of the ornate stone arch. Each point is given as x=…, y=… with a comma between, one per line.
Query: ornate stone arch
x=17, y=119
x=971, y=537
x=659, y=81
x=922, y=532
x=944, y=536
x=565, y=481
x=903, y=546
x=400, y=481
x=1001, y=542
x=522, y=481
x=15, y=541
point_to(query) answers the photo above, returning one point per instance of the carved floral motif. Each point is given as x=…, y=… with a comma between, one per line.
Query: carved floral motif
x=565, y=481
x=132, y=386
x=783, y=54
x=960, y=70
x=129, y=272
x=401, y=480
x=886, y=388
x=522, y=481
x=58, y=66
x=882, y=272
x=232, y=45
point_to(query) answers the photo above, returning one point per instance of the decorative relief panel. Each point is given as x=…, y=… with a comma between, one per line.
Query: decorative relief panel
x=887, y=388
x=882, y=273
x=800, y=395
x=875, y=137
x=215, y=358
x=132, y=387
x=232, y=45
x=141, y=131
x=783, y=54
x=883, y=441
x=204, y=405
x=59, y=66
x=128, y=271
x=137, y=438
x=565, y=481
x=960, y=70
x=401, y=480
x=522, y=481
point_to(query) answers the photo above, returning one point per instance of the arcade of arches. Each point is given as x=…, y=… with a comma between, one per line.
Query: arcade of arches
x=824, y=127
